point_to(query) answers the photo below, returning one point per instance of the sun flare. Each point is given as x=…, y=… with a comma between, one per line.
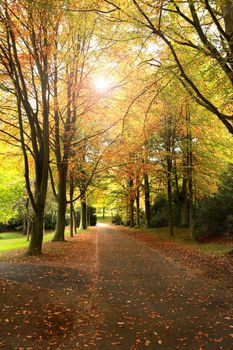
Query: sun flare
x=101, y=83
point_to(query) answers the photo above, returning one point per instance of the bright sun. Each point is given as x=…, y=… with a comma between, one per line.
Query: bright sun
x=101, y=83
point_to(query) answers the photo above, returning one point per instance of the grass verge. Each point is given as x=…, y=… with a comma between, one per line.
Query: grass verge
x=15, y=240
x=105, y=220
x=182, y=237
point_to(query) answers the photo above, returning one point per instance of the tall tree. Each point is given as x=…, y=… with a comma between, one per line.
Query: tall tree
x=26, y=46
x=207, y=40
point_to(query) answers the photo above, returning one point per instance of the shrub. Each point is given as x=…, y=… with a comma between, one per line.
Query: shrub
x=214, y=216
x=49, y=221
x=117, y=220
x=159, y=212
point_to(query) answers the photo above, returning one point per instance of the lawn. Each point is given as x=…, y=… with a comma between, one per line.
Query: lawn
x=182, y=237
x=105, y=220
x=15, y=240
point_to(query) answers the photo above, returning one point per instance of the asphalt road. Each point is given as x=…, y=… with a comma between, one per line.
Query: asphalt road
x=147, y=301
x=126, y=296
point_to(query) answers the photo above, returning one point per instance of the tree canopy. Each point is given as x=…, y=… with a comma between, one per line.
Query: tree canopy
x=125, y=105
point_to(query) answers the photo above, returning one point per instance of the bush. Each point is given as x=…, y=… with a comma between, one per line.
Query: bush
x=14, y=224
x=214, y=216
x=209, y=218
x=159, y=212
x=117, y=220
x=229, y=224
x=50, y=221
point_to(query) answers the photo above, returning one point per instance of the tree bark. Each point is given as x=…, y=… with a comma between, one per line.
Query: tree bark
x=83, y=214
x=147, y=200
x=59, y=235
x=131, y=204
x=190, y=174
x=72, y=218
x=169, y=173
x=138, y=208
x=88, y=216
x=183, y=196
x=227, y=11
x=169, y=195
x=131, y=212
x=35, y=245
x=29, y=228
x=184, y=210
x=28, y=220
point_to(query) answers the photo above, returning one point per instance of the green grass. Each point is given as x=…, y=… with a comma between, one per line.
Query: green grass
x=105, y=220
x=14, y=240
x=182, y=237
x=214, y=248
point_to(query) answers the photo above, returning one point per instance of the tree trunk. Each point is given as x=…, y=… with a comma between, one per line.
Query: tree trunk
x=169, y=173
x=227, y=11
x=71, y=220
x=35, y=245
x=191, y=220
x=29, y=227
x=138, y=208
x=74, y=220
x=131, y=204
x=103, y=215
x=170, y=212
x=184, y=210
x=183, y=197
x=83, y=218
x=131, y=212
x=190, y=187
x=147, y=200
x=190, y=172
x=88, y=216
x=59, y=235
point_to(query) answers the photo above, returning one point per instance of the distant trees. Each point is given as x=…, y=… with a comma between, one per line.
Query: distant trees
x=199, y=59
x=171, y=150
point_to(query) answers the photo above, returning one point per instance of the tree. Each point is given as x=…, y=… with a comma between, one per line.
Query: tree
x=75, y=67
x=28, y=31
x=207, y=40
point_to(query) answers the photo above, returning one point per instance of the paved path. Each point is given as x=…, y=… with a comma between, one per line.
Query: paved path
x=150, y=302
x=136, y=299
